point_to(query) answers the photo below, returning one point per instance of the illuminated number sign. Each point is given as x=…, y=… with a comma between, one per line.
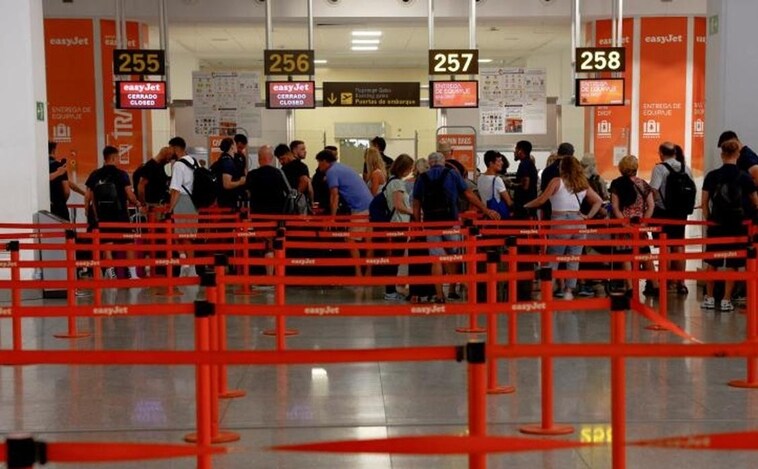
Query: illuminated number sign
x=451, y=62
x=139, y=62
x=288, y=62
x=600, y=59
x=140, y=95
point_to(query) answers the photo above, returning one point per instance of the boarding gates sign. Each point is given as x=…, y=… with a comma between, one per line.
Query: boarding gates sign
x=379, y=94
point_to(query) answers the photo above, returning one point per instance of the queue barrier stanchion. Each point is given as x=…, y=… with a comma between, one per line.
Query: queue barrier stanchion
x=473, y=326
x=663, y=261
x=474, y=353
x=280, y=330
x=23, y=452
x=548, y=427
x=73, y=332
x=97, y=272
x=512, y=251
x=244, y=289
x=493, y=259
x=619, y=306
x=751, y=327
x=221, y=262
x=203, y=311
x=14, y=248
x=171, y=290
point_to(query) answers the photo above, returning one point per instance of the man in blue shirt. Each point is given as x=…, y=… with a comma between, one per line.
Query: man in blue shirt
x=453, y=185
x=345, y=182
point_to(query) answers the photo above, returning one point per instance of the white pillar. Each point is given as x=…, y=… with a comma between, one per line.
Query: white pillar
x=731, y=68
x=23, y=139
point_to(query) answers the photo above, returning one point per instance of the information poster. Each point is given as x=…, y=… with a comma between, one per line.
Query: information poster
x=512, y=101
x=697, y=149
x=464, y=148
x=663, y=75
x=71, y=94
x=613, y=123
x=225, y=103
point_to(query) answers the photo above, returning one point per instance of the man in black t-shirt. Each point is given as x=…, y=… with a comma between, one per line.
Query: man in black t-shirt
x=747, y=160
x=108, y=191
x=266, y=185
x=231, y=177
x=152, y=187
x=295, y=170
x=59, y=187
x=526, y=179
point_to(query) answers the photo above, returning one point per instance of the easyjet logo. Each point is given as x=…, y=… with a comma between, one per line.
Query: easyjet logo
x=323, y=311
x=302, y=261
x=528, y=307
x=111, y=311
x=436, y=309
x=6, y=312
x=609, y=41
x=69, y=41
x=87, y=263
x=378, y=260
x=671, y=38
x=725, y=254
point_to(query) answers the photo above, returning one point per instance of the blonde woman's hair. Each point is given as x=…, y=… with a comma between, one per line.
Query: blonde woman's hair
x=628, y=166
x=374, y=161
x=551, y=159
x=572, y=174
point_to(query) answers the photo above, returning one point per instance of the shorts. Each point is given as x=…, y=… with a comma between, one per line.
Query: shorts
x=726, y=232
x=185, y=207
x=441, y=251
x=671, y=231
x=360, y=229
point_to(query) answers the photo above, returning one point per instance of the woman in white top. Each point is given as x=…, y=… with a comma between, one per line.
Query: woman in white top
x=376, y=170
x=566, y=194
x=398, y=201
x=490, y=184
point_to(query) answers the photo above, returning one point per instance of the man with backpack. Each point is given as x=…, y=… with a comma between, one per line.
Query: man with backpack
x=150, y=179
x=675, y=192
x=729, y=198
x=434, y=199
x=105, y=201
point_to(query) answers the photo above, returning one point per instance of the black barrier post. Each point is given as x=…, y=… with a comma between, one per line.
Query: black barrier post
x=619, y=305
x=22, y=451
x=493, y=260
x=14, y=248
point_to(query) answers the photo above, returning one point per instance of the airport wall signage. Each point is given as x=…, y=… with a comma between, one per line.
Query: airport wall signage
x=140, y=95
x=378, y=94
x=288, y=62
x=290, y=95
x=453, y=62
x=454, y=94
x=139, y=62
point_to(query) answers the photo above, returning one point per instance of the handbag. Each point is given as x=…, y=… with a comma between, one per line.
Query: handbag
x=498, y=204
x=295, y=202
x=585, y=207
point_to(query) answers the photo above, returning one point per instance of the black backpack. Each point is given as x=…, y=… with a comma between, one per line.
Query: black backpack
x=680, y=192
x=726, y=203
x=434, y=200
x=379, y=209
x=204, y=187
x=107, y=203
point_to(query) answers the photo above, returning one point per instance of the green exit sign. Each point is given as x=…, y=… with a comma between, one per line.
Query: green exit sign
x=713, y=25
x=40, y=111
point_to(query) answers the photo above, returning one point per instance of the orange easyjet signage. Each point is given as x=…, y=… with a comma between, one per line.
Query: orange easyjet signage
x=463, y=146
x=600, y=92
x=71, y=94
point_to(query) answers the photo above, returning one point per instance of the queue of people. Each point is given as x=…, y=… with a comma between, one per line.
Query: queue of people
x=437, y=188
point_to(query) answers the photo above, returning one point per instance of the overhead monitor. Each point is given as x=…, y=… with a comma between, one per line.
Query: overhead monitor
x=140, y=95
x=290, y=95
x=600, y=92
x=454, y=94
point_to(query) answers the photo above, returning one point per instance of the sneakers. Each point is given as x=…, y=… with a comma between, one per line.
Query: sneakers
x=453, y=296
x=394, y=296
x=110, y=273
x=682, y=289
x=726, y=305
x=586, y=290
x=558, y=294
x=568, y=295
x=709, y=302
x=79, y=293
x=739, y=299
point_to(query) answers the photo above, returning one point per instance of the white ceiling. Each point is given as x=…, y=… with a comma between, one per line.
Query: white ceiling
x=402, y=45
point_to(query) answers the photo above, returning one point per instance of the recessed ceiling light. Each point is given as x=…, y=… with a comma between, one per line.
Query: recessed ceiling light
x=485, y=61
x=364, y=48
x=319, y=61
x=367, y=33
x=366, y=41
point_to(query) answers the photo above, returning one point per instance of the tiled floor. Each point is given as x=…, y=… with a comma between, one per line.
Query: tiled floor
x=291, y=404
